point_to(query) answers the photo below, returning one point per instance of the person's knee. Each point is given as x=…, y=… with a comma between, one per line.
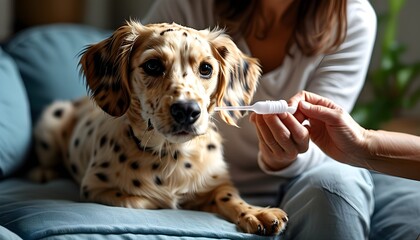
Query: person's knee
x=333, y=197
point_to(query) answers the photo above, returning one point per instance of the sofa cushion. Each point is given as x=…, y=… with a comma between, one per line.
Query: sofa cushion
x=6, y=234
x=15, y=122
x=47, y=58
x=52, y=211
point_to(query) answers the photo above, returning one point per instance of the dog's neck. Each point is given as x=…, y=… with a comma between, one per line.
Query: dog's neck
x=148, y=141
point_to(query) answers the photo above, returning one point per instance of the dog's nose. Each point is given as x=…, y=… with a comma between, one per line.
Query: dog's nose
x=185, y=112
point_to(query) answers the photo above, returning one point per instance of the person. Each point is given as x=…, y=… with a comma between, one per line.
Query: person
x=336, y=133
x=397, y=211
x=319, y=46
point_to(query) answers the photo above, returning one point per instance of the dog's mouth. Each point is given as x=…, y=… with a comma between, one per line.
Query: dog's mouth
x=182, y=131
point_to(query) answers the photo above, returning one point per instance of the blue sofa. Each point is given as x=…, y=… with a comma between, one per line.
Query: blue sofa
x=38, y=66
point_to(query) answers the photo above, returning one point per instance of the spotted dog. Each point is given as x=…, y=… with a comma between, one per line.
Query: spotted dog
x=146, y=138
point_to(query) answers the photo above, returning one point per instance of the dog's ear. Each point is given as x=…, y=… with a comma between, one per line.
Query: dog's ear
x=238, y=78
x=106, y=68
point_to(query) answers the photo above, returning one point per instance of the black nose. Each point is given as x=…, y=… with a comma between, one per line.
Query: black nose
x=185, y=112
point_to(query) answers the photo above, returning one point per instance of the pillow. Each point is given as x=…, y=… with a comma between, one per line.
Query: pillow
x=48, y=57
x=6, y=234
x=15, y=122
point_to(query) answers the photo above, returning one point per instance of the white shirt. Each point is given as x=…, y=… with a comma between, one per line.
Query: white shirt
x=339, y=76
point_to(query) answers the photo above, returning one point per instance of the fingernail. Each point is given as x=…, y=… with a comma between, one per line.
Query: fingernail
x=305, y=105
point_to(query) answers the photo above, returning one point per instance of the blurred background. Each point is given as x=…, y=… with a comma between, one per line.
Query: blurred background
x=390, y=98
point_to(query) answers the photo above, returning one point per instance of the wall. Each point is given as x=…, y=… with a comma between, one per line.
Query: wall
x=5, y=18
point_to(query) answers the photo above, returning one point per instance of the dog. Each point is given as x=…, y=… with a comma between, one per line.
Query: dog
x=146, y=137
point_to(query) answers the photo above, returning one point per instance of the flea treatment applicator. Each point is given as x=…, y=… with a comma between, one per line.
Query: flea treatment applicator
x=262, y=107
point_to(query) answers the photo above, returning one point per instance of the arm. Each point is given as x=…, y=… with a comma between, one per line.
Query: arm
x=338, y=76
x=338, y=135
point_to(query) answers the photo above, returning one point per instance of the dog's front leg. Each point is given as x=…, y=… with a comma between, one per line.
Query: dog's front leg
x=225, y=200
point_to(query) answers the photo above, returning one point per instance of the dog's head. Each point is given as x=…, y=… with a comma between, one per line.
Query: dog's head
x=169, y=77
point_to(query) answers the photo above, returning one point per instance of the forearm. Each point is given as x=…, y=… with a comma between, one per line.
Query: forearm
x=393, y=153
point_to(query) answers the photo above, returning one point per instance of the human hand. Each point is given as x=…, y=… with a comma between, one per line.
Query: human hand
x=281, y=138
x=332, y=128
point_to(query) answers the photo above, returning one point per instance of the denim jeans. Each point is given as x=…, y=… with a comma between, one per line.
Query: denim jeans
x=397, y=208
x=331, y=201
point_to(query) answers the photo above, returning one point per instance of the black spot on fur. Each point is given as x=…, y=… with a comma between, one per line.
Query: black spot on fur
x=155, y=166
x=211, y=146
x=90, y=132
x=74, y=169
x=187, y=165
x=102, y=177
x=225, y=199
x=58, y=113
x=86, y=194
x=103, y=141
x=134, y=165
x=158, y=181
x=185, y=34
x=88, y=122
x=104, y=165
x=76, y=142
x=122, y=158
x=117, y=147
x=136, y=183
x=118, y=194
x=44, y=145
x=165, y=31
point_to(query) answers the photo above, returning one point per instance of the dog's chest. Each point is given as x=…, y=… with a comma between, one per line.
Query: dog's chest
x=170, y=177
x=174, y=176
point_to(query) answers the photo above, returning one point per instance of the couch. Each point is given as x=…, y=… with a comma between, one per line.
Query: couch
x=37, y=66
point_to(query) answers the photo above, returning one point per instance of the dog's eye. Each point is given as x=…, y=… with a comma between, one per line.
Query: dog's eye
x=153, y=67
x=205, y=70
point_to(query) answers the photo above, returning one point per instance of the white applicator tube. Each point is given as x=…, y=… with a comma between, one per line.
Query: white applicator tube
x=262, y=107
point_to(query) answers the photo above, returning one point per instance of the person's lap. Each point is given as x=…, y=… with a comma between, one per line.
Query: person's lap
x=331, y=201
x=397, y=208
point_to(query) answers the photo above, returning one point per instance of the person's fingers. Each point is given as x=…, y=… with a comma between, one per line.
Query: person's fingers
x=269, y=132
x=299, y=134
x=319, y=112
x=277, y=134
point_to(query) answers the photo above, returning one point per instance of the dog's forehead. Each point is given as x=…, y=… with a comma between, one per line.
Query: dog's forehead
x=173, y=30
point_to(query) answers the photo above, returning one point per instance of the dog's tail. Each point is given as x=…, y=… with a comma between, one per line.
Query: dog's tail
x=52, y=134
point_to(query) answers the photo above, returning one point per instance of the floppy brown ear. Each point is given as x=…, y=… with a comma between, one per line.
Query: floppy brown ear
x=238, y=78
x=106, y=67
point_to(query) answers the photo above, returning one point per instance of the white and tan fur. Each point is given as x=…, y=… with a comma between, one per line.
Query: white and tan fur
x=147, y=138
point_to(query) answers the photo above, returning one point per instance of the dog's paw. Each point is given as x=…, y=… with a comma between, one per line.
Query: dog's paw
x=43, y=175
x=263, y=221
